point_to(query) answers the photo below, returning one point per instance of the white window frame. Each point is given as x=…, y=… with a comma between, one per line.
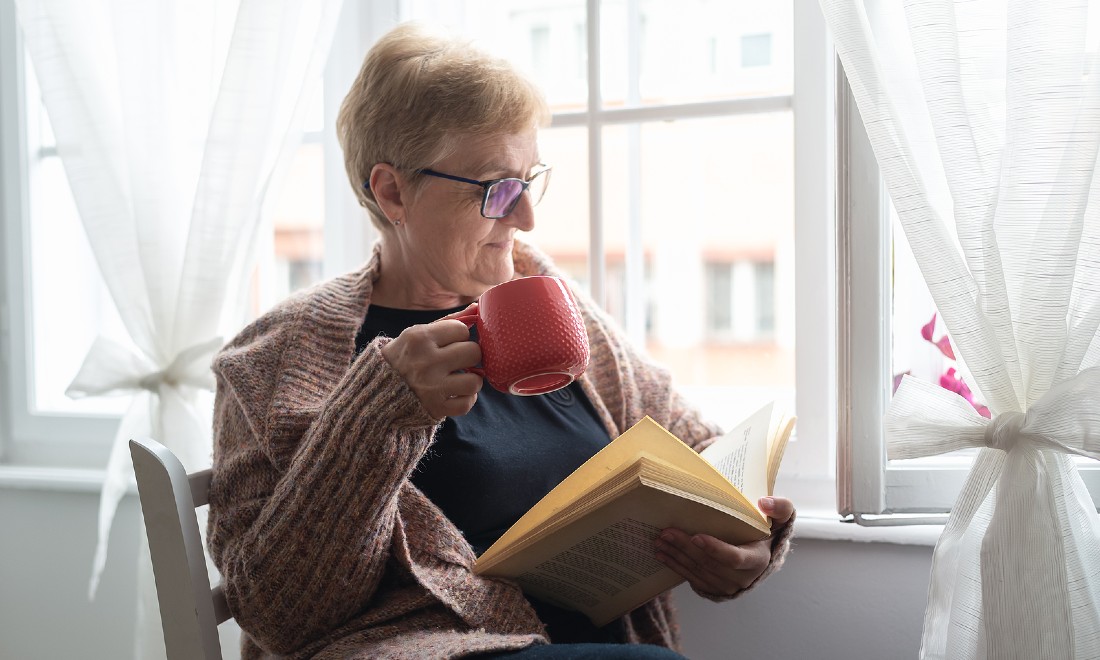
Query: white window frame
x=808, y=473
x=30, y=438
x=37, y=446
x=870, y=488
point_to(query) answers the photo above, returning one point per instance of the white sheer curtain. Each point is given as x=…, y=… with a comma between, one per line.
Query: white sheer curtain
x=171, y=117
x=984, y=116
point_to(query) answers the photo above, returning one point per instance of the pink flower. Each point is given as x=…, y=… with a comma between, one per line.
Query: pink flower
x=950, y=381
x=897, y=381
x=926, y=329
x=943, y=343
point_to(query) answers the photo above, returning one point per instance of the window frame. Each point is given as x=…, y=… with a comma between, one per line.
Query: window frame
x=28, y=436
x=868, y=484
x=52, y=444
x=808, y=475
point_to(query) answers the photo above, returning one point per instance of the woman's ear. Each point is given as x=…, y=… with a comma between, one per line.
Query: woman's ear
x=387, y=184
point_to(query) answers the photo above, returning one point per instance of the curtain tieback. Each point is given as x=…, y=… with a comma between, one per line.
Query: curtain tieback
x=927, y=420
x=1003, y=431
x=111, y=368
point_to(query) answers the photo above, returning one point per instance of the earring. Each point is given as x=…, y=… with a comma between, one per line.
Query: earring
x=396, y=223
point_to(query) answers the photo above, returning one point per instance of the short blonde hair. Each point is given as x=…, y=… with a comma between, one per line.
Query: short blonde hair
x=415, y=93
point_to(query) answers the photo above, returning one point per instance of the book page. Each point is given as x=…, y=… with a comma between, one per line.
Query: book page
x=652, y=473
x=597, y=568
x=647, y=436
x=778, y=447
x=604, y=563
x=742, y=454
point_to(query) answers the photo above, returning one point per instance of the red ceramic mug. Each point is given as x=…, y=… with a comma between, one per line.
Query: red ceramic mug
x=531, y=334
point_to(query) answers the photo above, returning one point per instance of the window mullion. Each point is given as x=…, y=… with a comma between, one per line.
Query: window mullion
x=810, y=457
x=634, y=266
x=751, y=105
x=596, y=262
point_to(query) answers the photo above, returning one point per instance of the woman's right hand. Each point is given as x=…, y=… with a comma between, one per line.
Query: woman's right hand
x=429, y=357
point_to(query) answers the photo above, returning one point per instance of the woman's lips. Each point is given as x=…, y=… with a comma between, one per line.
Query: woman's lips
x=501, y=245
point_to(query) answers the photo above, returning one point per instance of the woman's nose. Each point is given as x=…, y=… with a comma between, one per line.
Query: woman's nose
x=523, y=216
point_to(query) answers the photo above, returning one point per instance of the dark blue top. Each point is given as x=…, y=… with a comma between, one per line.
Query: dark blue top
x=488, y=467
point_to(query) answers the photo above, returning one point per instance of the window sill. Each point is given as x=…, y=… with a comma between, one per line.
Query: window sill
x=822, y=525
x=62, y=480
x=816, y=524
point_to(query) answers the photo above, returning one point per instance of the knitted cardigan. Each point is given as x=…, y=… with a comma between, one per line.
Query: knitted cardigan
x=326, y=548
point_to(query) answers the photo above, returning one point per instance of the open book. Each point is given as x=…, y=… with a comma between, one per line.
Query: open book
x=588, y=545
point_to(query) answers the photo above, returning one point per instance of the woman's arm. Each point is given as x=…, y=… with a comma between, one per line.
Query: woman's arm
x=302, y=542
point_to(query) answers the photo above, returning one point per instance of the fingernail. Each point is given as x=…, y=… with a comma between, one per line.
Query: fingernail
x=698, y=540
x=767, y=503
x=666, y=536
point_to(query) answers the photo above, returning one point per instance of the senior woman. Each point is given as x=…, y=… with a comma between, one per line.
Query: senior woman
x=359, y=469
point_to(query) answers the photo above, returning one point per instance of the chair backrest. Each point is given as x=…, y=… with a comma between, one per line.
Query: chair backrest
x=190, y=610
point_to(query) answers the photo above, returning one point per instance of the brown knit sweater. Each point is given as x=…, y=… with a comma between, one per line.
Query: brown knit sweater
x=326, y=548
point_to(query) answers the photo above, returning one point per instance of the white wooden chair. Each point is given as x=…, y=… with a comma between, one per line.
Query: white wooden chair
x=190, y=610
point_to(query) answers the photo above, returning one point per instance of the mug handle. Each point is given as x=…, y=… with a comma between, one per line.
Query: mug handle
x=471, y=322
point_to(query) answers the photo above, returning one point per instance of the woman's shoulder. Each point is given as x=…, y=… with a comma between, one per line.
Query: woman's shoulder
x=334, y=301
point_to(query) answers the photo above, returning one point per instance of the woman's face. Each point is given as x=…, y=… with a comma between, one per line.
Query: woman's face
x=447, y=244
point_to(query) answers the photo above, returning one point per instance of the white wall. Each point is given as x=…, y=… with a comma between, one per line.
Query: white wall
x=833, y=600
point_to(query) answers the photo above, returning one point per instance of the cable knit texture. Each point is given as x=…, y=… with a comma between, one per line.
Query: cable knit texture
x=326, y=548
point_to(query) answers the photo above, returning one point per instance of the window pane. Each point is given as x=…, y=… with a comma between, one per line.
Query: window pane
x=719, y=284
x=918, y=335
x=695, y=50
x=546, y=40
x=69, y=305
x=717, y=241
x=315, y=114
x=561, y=219
x=299, y=216
x=756, y=50
x=765, y=298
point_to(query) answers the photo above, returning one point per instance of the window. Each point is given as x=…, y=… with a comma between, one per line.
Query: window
x=54, y=303
x=298, y=211
x=756, y=50
x=665, y=183
x=720, y=302
x=740, y=301
x=47, y=322
x=887, y=328
x=674, y=187
x=764, y=308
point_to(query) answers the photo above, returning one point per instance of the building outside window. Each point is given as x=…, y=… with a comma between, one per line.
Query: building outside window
x=756, y=50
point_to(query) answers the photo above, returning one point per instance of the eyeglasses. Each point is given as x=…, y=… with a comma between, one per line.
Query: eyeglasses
x=502, y=195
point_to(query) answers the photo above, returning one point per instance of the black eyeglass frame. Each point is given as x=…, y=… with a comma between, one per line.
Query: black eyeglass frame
x=487, y=186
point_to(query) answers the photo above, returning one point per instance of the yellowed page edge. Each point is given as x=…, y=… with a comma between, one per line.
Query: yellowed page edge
x=646, y=435
x=648, y=470
x=778, y=448
x=653, y=508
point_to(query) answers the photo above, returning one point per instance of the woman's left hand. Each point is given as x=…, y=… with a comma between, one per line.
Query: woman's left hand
x=716, y=568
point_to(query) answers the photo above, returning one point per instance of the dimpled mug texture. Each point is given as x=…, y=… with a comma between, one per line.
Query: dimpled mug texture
x=532, y=337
